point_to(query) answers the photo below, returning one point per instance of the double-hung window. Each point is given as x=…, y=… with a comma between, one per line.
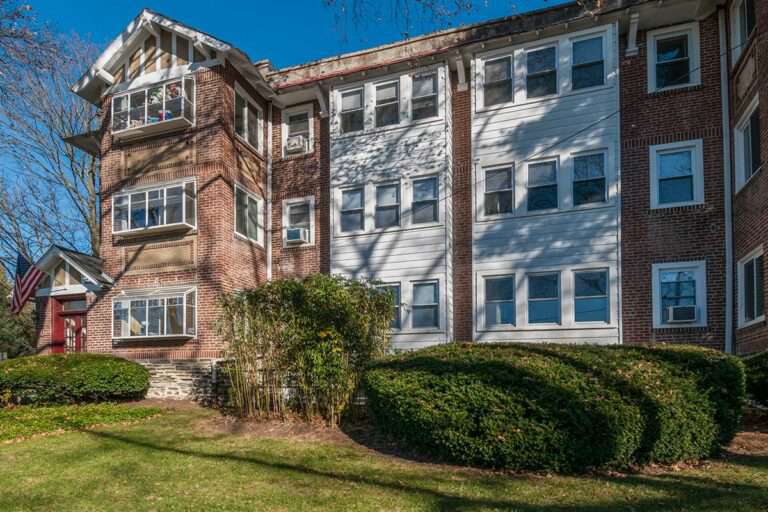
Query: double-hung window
x=499, y=191
x=393, y=289
x=673, y=57
x=424, y=204
x=591, y=296
x=752, y=288
x=541, y=72
x=248, y=119
x=424, y=97
x=387, y=213
x=499, y=301
x=158, y=314
x=677, y=176
x=248, y=214
x=352, y=110
x=352, y=212
x=153, y=208
x=748, y=144
x=497, y=82
x=298, y=132
x=679, y=294
x=588, y=66
x=544, y=298
x=298, y=222
x=744, y=20
x=542, y=186
x=387, y=104
x=589, y=185
x=425, y=312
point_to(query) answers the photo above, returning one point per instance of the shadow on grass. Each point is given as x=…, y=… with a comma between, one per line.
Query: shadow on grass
x=693, y=492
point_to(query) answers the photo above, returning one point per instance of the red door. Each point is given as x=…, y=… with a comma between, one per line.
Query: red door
x=69, y=326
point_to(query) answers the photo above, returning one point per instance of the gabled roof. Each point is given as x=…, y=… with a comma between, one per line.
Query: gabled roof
x=89, y=266
x=98, y=77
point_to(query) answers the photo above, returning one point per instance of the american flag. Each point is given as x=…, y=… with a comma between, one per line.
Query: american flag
x=27, y=277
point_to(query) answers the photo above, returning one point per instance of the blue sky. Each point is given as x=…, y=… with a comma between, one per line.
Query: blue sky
x=286, y=32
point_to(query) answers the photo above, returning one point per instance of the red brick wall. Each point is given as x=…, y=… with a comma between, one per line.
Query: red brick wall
x=674, y=234
x=750, y=205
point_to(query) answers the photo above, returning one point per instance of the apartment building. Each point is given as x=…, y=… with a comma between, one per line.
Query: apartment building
x=589, y=173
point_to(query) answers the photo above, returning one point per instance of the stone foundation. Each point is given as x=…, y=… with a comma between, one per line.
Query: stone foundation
x=181, y=380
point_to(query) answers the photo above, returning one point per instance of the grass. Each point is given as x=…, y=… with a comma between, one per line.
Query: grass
x=26, y=421
x=176, y=461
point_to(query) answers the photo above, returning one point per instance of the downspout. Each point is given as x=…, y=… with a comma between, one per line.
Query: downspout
x=268, y=236
x=725, y=98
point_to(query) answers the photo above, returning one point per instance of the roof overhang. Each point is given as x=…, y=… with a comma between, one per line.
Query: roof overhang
x=52, y=256
x=88, y=142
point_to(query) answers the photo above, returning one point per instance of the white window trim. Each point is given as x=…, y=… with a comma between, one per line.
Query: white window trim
x=742, y=321
x=155, y=186
x=603, y=35
x=607, y=176
x=423, y=74
x=692, y=31
x=398, y=284
x=287, y=203
x=739, y=143
x=574, y=298
x=700, y=268
x=374, y=198
x=481, y=191
x=309, y=108
x=483, y=305
x=239, y=90
x=558, y=70
x=407, y=203
x=337, y=97
x=157, y=294
x=260, y=225
x=559, y=177
x=737, y=45
x=480, y=79
x=367, y=219
x=440, y=327
x=560, y=297
x=697, y=162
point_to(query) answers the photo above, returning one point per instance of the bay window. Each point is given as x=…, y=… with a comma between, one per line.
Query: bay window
x=172, y=205
x=171, y=103
x=162, y=313
x=748, y=144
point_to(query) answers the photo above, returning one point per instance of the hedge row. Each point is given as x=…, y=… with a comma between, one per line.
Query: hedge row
x=71, y=378
x=757, y=377
x=555, y=407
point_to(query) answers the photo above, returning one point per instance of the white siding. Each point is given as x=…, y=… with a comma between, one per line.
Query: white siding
x=571, y=238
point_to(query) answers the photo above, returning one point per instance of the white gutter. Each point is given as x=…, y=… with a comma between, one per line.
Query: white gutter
x=725, y=95
x=268, y=152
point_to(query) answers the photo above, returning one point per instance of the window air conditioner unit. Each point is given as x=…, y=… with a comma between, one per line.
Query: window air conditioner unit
x=296, y=144
x=297, y=236
x=681, y=314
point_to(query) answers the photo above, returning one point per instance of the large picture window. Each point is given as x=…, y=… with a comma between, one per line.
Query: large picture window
x=160, y=103
x=173, y=205
x=170, y=314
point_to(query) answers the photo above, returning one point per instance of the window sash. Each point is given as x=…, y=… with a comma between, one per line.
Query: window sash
x=534, y=302
x=540, y=191
x=350, y=212
x=384, y=207
x=394, y=289
x=133, y=210
x=421, y=204
x=661, y=63
x=300, y=219
x=303, y=118
x=752, y=144
x=424, y=106
x=499, y=200
x=170, y=315
x=247, y=214
x=247, y=114
x=387, y=110
x=582, y=298
x=754, y=288
x=495, y=315
x=582, y=197
x=433, y=307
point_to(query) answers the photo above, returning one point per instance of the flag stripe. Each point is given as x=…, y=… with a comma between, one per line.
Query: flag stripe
x=27, y=278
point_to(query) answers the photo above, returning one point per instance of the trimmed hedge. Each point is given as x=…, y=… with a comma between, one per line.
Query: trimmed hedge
x=757, y=376
x=71, y=378
x=556, y=407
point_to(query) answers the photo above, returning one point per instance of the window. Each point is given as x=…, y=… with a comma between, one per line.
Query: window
x=743, y=17
x=751, y=289
x=499, y=301
x=352, y=210
x=541, y=78
x=248, y=118
x=298, y=221
x=499, y=192
x=588, y=67
x=248, y=214
x=153, y=208
x=591, y=296
x=426, y=305
x=64, y=275
x=352, y=111
x=170, y=101
x=748, y=145
x=544, y=298
x=394, y=291
x=424, y=101
x=679, y=294
x=673, y=57
x=497, y=83
x=424, y=205
x=169, y=314
x=387, y=213
x=542, y=186
x=387, y=104
x=676, y=174
x=298, y=131
x=589, y=179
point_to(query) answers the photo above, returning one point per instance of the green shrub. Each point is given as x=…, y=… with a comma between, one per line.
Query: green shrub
x=557, y=407
x=757, y=376
x=72, y=378
x=313, y=336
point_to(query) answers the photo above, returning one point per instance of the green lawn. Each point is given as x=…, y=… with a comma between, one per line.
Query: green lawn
x=169, y=462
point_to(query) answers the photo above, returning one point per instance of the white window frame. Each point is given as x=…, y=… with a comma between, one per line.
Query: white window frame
x=691, y=30
x=423, y=74
x=398, y=285
x=558, y=183
x=560, y=299
x=238, y=90
x=738, y=42
x=554, y=44
x=365, y=207
x=740, y=144
x=338, y=97
x=375, y=199
x=697, y=163
x=260, y=222
x=574, y=298
x=145, y=88
x=483, y=317
x=400, y=89
x=606, y=59
x=606, y=176
x=161, y=293
x=480, y=89
x=408, y=207
x=309, y=109
x=743, y=322
x=700, y=270
x=439, y=304
x=160, y=227
x=287, y=203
